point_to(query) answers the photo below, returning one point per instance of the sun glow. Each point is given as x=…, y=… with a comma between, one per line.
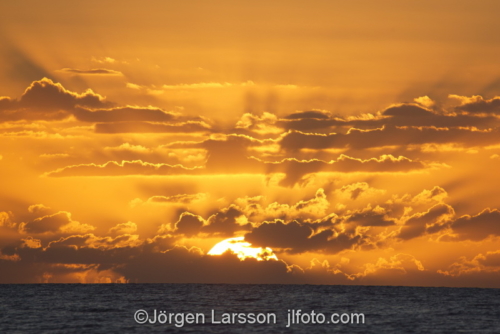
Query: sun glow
x=242, y=249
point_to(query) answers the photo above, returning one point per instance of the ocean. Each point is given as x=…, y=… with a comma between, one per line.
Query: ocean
x=226, y=308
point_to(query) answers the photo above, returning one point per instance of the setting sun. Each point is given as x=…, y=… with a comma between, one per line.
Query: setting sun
x=242, y=249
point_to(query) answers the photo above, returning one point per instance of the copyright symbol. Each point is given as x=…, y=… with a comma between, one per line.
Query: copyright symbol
x=141, y=316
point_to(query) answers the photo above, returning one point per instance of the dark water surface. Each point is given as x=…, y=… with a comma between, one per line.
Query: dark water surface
x=100, y=308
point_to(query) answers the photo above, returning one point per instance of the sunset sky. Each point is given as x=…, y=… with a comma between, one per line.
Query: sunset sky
x=358, y=141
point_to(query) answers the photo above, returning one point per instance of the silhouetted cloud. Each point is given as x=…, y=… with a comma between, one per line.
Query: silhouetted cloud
x=148, y=127
x=113, y=168
x=401, y=115
x=49, y=101
x=95, y=71
x=123, y=114
x=46, y=100
x=390, y=136
x=226, y=222
x=476, y=104
x=295, y=237
x=430, y=221
x=478, y=227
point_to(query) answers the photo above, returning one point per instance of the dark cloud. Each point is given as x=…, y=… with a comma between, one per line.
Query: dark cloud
x=389, y=136
x=123, y=114
x=148, y=127
x=221, y=163
x=295, y=237
x=231, y=155
x=309, y=114
x=59, y=222
x=183, y=198
x=408, y=115
x=113, y=168
x=478, y=227
x=430, y=221
x=370, y=218
x=491, y=259
x=137, y=260
x=96, y=71
x=225, y=222
x=46, y=100
x=295, y=169
x=480, y=105
x=50, y=223
x=189, y=224
x=409, y=111
x=140, y=263
x=181, y=265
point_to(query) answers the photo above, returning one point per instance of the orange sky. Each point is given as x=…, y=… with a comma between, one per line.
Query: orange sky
x=360, y=141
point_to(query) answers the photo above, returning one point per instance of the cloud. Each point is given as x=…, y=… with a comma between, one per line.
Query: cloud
x=356, y=190
x=47, y=100
x=183, y=265
x=39, y=209
x=126, y=256
x=5, y=220
x=476, y=104
x=50, y=101
x=370, y=217
x=425, y=101
x=293, y=169
x=256, y=210
x=431, y=221
x=389, y=136
x=124, y=228
x=478, y=227
x=314, y=114
x=150, y=127
x=397, y=263
x=113, y=168
x=124, y=114
x=398, y=115
x=231, y=154
x=176, y=199
x=296, y=169
x=482, y=266
x=261, y=125
x=109, y=60
x=203, y=85
x=91, y=241
x=227, y=222
x=188, y=224
x=490, y=259
x=335, y=209
x=95, y=71
x=296, y=237
x=436, y=194
x=59, y=222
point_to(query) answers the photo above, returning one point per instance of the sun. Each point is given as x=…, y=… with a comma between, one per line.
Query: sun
x=242, y=249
